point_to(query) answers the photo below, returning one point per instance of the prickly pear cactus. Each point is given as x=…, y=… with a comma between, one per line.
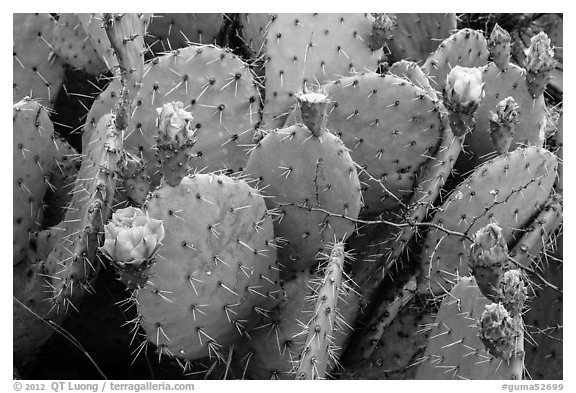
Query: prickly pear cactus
x=510, y=189
x=302, y=171
x=37, y=73
x=415, y=35
x=455, y=350
x=391, y=127
x=217, y=87
x=312, y=48
x=74, y=46
x=531, y=119
x=33, y=154
x=168, y=32
x=466, y=48
x=65, y=260
x=215, y=271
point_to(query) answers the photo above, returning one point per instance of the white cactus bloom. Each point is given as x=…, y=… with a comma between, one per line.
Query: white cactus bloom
x=174, y=122
x=464, y=86
x=132, y=237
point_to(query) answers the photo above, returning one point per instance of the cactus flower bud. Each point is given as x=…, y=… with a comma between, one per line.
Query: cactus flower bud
x=464, y=87
x=174, y=123
x=132, y=238
x=462, y=94
x=499, y=45
x=503, y=123
x=499, y=332
x=539, y=63
x=174, y=142
x=314, y=110
x=489, y=258
x=540, y=54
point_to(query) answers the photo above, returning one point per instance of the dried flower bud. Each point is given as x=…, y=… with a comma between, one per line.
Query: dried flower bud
x=488, y=259
x=132, y=238
x=513, y=291
x=540, y=54
x=499, y=332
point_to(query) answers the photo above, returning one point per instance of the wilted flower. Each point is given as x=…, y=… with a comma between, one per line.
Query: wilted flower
x=513, y=291
x=540, y=54
x=174, y=123
x=499, y=332
x=131, y=237
x=506, y=112
x=464, y=89
x=488, y=259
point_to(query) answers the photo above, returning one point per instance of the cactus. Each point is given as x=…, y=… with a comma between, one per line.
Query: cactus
x=391, y=128
x=73, y=45
x=311, y=176
x=510, y=189
x=168, y=32
x=226, y=280
x=37, y=73
x=66, y=264
x=463, y=93
x=455, y=350
x=216, y=87
x=503, y=123
x=415, y=36
x=174, y=142
x=489, y=260
x=312, y=48
x=318, y=349
x=33, y=154
x=499, y=46
x=538, y=63
x=210, y=279
x=466, y=48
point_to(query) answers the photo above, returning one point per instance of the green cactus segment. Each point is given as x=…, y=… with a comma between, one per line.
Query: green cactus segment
x=102, y=105
x=314, y=359
x=540, y=233
x=74, y=258
x=55, y=281
x=168, y=32
x=531, y=121
x=93, y=24
x=126, y=34
x=466, y=48
x=72, y=44
x=539, y=63
x=253, y=30
x=510, y=190
x=313, y=49
x=217, y=87
x=391, y=127
x=489, y=259
x=413, y=72
x=135, y=180
x=37, y=73
x=273, y=348
x=66, y=165
x=33, y=155
x=454, y=349
x=301, y=171
x=559, y=137
x=215, y=270
x=499, y=46
x=416, y=36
